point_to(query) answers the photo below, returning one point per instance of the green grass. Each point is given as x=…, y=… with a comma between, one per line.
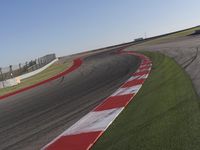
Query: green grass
x=164, y=115
x=51, y=71
x=172, y=36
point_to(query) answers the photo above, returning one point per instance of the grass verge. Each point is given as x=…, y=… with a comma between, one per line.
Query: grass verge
x=51, y=71
x=164, y=115
x=171, y=36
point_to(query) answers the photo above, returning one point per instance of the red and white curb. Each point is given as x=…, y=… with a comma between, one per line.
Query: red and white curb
x=83, y=134
x=76, y=64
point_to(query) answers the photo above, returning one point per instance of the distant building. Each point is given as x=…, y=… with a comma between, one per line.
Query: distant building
x=139, y=39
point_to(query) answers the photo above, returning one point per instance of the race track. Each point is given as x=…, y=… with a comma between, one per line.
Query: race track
x=184, y=50
x=31, y=119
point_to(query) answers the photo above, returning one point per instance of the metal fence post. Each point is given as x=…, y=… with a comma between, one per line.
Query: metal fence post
x=11, y=72
x=20, y=66
x=2, y=77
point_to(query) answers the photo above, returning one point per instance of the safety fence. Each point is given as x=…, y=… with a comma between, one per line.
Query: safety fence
x=22, y=68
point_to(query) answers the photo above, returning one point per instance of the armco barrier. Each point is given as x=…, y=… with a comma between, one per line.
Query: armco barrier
x=83, y=134
x=76, y=63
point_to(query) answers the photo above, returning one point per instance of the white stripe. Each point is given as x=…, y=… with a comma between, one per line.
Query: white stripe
x=133, y=78
x=145, y=65
x=144, y=76
x=141, y=70
x=128, y=90
x=94, y=121
x=100, y=120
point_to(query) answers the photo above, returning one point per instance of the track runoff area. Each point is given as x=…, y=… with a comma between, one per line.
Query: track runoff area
x=84, y=133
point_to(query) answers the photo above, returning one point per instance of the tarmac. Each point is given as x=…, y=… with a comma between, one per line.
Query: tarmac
x=33, y=118
x=184, y=50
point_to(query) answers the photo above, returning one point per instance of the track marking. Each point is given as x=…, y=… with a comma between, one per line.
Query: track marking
x=83, y=134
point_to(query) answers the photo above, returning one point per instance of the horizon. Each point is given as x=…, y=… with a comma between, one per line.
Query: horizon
x=37, y=28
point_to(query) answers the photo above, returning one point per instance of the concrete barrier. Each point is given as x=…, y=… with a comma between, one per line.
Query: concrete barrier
x=8, y=83
x=30, y=74
x=17, y=80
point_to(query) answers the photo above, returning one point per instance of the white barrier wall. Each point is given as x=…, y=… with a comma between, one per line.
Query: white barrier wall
x=8, y=83
x=30, y=74
x=15, y=81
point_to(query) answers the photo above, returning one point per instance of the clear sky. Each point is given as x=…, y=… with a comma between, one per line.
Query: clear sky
x=32, y=28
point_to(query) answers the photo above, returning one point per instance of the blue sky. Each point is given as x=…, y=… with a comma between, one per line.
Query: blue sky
x=32, y=28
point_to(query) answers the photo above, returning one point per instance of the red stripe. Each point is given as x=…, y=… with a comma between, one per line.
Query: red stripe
x=133, y=82
x=140, y=70
x=114, y=102
x=81, y=141
x=76, y=64
x=85, y=141
x=145, y=62
x=144, y=67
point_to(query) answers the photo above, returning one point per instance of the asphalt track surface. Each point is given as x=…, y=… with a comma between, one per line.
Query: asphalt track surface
x=183, y=50
x=31, y=119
